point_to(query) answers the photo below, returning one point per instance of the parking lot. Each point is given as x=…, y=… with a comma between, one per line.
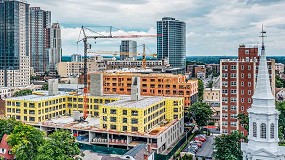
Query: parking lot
x=206, y=151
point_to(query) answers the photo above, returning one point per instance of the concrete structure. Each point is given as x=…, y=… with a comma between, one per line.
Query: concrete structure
x=76, y=58
x=263, y=119
x=136, y=89
x=237, y=82
x=40, y=22
x=14, y=44
x=52, y=87
x=280, y=94
x=279, y=67
x=96, y=84
x=5, y=149
x=152, y=85
x=200, y=69
x=55, y=51
x=172, y=45
x=119, y=64
x=128, y=50
x=67, y=69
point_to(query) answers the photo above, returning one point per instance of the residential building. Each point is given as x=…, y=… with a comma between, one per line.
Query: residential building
x=199, y=69
x=121, y=120
x=76, y=58
x=263, y=116
x=5, y=92
x=152, y=85
x=211, y=96
x=14, y=44
x=237, y=83
x=279, y=67
x=128, y=50
x=201, y=75
x=74, y=69
x=40, y=22
x=55, y=51
x=120, y=64
x=172, y=43
x=5, y=149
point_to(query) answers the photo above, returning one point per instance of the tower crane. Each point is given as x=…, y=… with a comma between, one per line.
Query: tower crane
x=88, y=46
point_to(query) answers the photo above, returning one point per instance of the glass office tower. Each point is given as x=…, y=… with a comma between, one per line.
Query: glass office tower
x=171, y=42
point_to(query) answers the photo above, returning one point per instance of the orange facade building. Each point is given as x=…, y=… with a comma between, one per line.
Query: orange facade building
x=156, y=84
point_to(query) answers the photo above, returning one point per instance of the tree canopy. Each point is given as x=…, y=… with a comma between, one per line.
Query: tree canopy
x=45, y=86
x=200, y=89
x=7, y=126
x=244, y=120
x=23, y=92
x=201, y=113
x=60, y=145
x=228, y=147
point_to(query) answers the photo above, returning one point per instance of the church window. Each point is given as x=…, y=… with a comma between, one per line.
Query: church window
x=271, y=130
x=254, y=128
x=263, y=131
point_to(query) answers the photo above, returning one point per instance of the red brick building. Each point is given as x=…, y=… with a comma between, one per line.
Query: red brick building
x=5, y=149
x=238, y=78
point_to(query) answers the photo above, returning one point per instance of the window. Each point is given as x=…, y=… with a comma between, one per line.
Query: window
x=113, y=111
x=134, y=121
x=233, y=75
x=234, y=124
x=225, y=115
x=233, y=67
x=225, y=91
x=225, y=99
x=125, y=112
x=233, y=91
x=247, y=51
x=233, y=99
x=225, y=83
x=242, y=67
x=242, y=75
x=242, y=108
x=125, y=128
x=233, y=83
x=263, y=131
x=134, y=113
x=254, y=129
x=271, y=130
x=225, y=123
x=249, y=92
x=134, y=129
x=242, y=100
x=225, y=67
x=249, y=67
x=113, y=119
x=234, y=116
x=175, y=109
x=114, y=127
x=249, y=75
x=233, y=108
x=242, y=92
x=249, y=100
x=225, y=107
x=242, y=83
x=224, y=75
x=125, y=120
x=249, y=84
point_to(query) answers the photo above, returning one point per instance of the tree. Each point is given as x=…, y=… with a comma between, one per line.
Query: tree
x=25, y=141
x=228, y=147
x=7, y=126
x=201, y=113
x=60, y=145
x=45, y=86
x=244, y=120
x=281, y=107
x=23, y=92
x=200, y=89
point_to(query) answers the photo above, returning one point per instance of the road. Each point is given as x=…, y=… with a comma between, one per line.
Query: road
x=207, y=148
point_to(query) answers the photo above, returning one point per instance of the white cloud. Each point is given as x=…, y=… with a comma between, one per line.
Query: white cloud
x=213, y=27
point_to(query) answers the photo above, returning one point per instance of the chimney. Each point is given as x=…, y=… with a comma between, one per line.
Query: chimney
x=52, y=87
x=96, y=84
x=135, y=89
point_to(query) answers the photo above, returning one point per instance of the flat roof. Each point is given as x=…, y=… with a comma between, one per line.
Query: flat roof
x=43, y=95
x=143, y=102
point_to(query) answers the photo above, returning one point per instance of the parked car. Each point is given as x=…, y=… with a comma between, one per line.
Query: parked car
x=192, y=150
x=202, y=136
x=195, y=147
x=198, y=143
x=197, y=138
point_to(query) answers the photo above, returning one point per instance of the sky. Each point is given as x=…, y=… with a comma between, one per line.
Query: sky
x=214, y=27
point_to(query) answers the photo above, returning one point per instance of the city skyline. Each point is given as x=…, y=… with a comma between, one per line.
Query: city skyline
x=207, y=30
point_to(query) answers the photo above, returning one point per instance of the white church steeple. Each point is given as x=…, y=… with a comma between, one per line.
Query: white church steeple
x=263, y=118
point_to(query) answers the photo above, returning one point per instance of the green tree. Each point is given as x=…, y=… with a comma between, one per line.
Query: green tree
x=7, y=126
x=228, y=146
x=244, y=120
x=23, y=92
x=25, y=141
x=201, y=113
x=200, y=89
x=281, y=107
x=60, y=145
x=45, y=86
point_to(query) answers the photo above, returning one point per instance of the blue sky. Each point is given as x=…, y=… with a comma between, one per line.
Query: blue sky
x=214, y=27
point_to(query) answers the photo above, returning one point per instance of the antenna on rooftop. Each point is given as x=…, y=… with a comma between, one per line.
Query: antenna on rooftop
x=262, y=36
